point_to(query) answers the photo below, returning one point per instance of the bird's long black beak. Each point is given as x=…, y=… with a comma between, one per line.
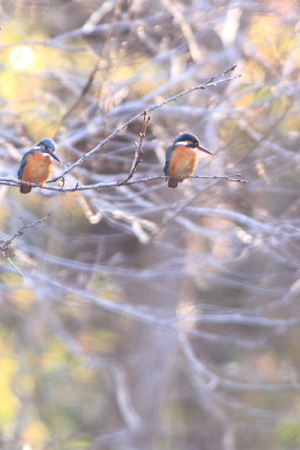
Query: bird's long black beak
x=55, y=156
x=206, y=151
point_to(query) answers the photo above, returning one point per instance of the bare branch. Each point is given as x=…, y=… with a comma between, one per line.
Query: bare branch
x=82, y=94
x=9, y=181
x=185, y=27
x=138, y=150
x=5, y=250
x=211, y=82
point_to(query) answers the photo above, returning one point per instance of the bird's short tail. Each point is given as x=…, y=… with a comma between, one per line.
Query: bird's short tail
x=173, y=183
x=25, y=188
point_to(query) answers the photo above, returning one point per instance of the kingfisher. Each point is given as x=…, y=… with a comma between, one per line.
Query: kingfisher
x=182, y=158
x=36, y=165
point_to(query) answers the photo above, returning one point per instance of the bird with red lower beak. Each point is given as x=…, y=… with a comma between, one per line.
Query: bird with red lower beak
x=182, y=158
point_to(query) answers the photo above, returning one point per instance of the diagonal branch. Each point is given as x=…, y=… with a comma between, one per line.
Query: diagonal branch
x=5, y=250
x=211, y=82
x=138, y=149
x=82, y=94
x=185, y=27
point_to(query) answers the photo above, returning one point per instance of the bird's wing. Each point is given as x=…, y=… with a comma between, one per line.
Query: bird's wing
x=168, y=159
x=24, y=162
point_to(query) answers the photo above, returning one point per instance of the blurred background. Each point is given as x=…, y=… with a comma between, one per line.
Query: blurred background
x=150, y=318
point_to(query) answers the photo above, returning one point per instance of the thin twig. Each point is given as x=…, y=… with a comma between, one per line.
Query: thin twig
x=138, y=149
x=82, y=94
x=14, y=266
x=23, y=227
x=185, y=27
x=177, y=210
x=5, y=246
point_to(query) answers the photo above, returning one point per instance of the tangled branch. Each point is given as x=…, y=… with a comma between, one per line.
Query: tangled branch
x=5, y=247
x=213, y=81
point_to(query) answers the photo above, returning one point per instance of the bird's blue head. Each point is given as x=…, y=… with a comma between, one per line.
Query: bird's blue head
x=49, y=146
x=190, y=140
x=187, y=138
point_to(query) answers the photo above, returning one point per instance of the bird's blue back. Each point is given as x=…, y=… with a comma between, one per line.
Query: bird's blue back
x=169, y=154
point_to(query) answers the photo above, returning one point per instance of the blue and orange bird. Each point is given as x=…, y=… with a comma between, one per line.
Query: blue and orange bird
x=182, y=158
x=36, y=165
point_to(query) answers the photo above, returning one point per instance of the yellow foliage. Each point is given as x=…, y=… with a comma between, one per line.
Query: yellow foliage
x=54, y=358
x=9, y=404
x=36, y=432
x=290, y=124
x=288, y=433
x=27, y=82
x=148, y=79
x=254, y=73
x=273, y=39
x=244, y=101
x=23, y=297
x=26, y=384
x=82, y=374
x=10, y=279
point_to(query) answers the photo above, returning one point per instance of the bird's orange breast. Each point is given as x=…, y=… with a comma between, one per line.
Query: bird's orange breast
x=38, y=168
x=183, y=162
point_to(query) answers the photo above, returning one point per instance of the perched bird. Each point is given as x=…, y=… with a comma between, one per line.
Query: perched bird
x=36, y=165
x=182, y=158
